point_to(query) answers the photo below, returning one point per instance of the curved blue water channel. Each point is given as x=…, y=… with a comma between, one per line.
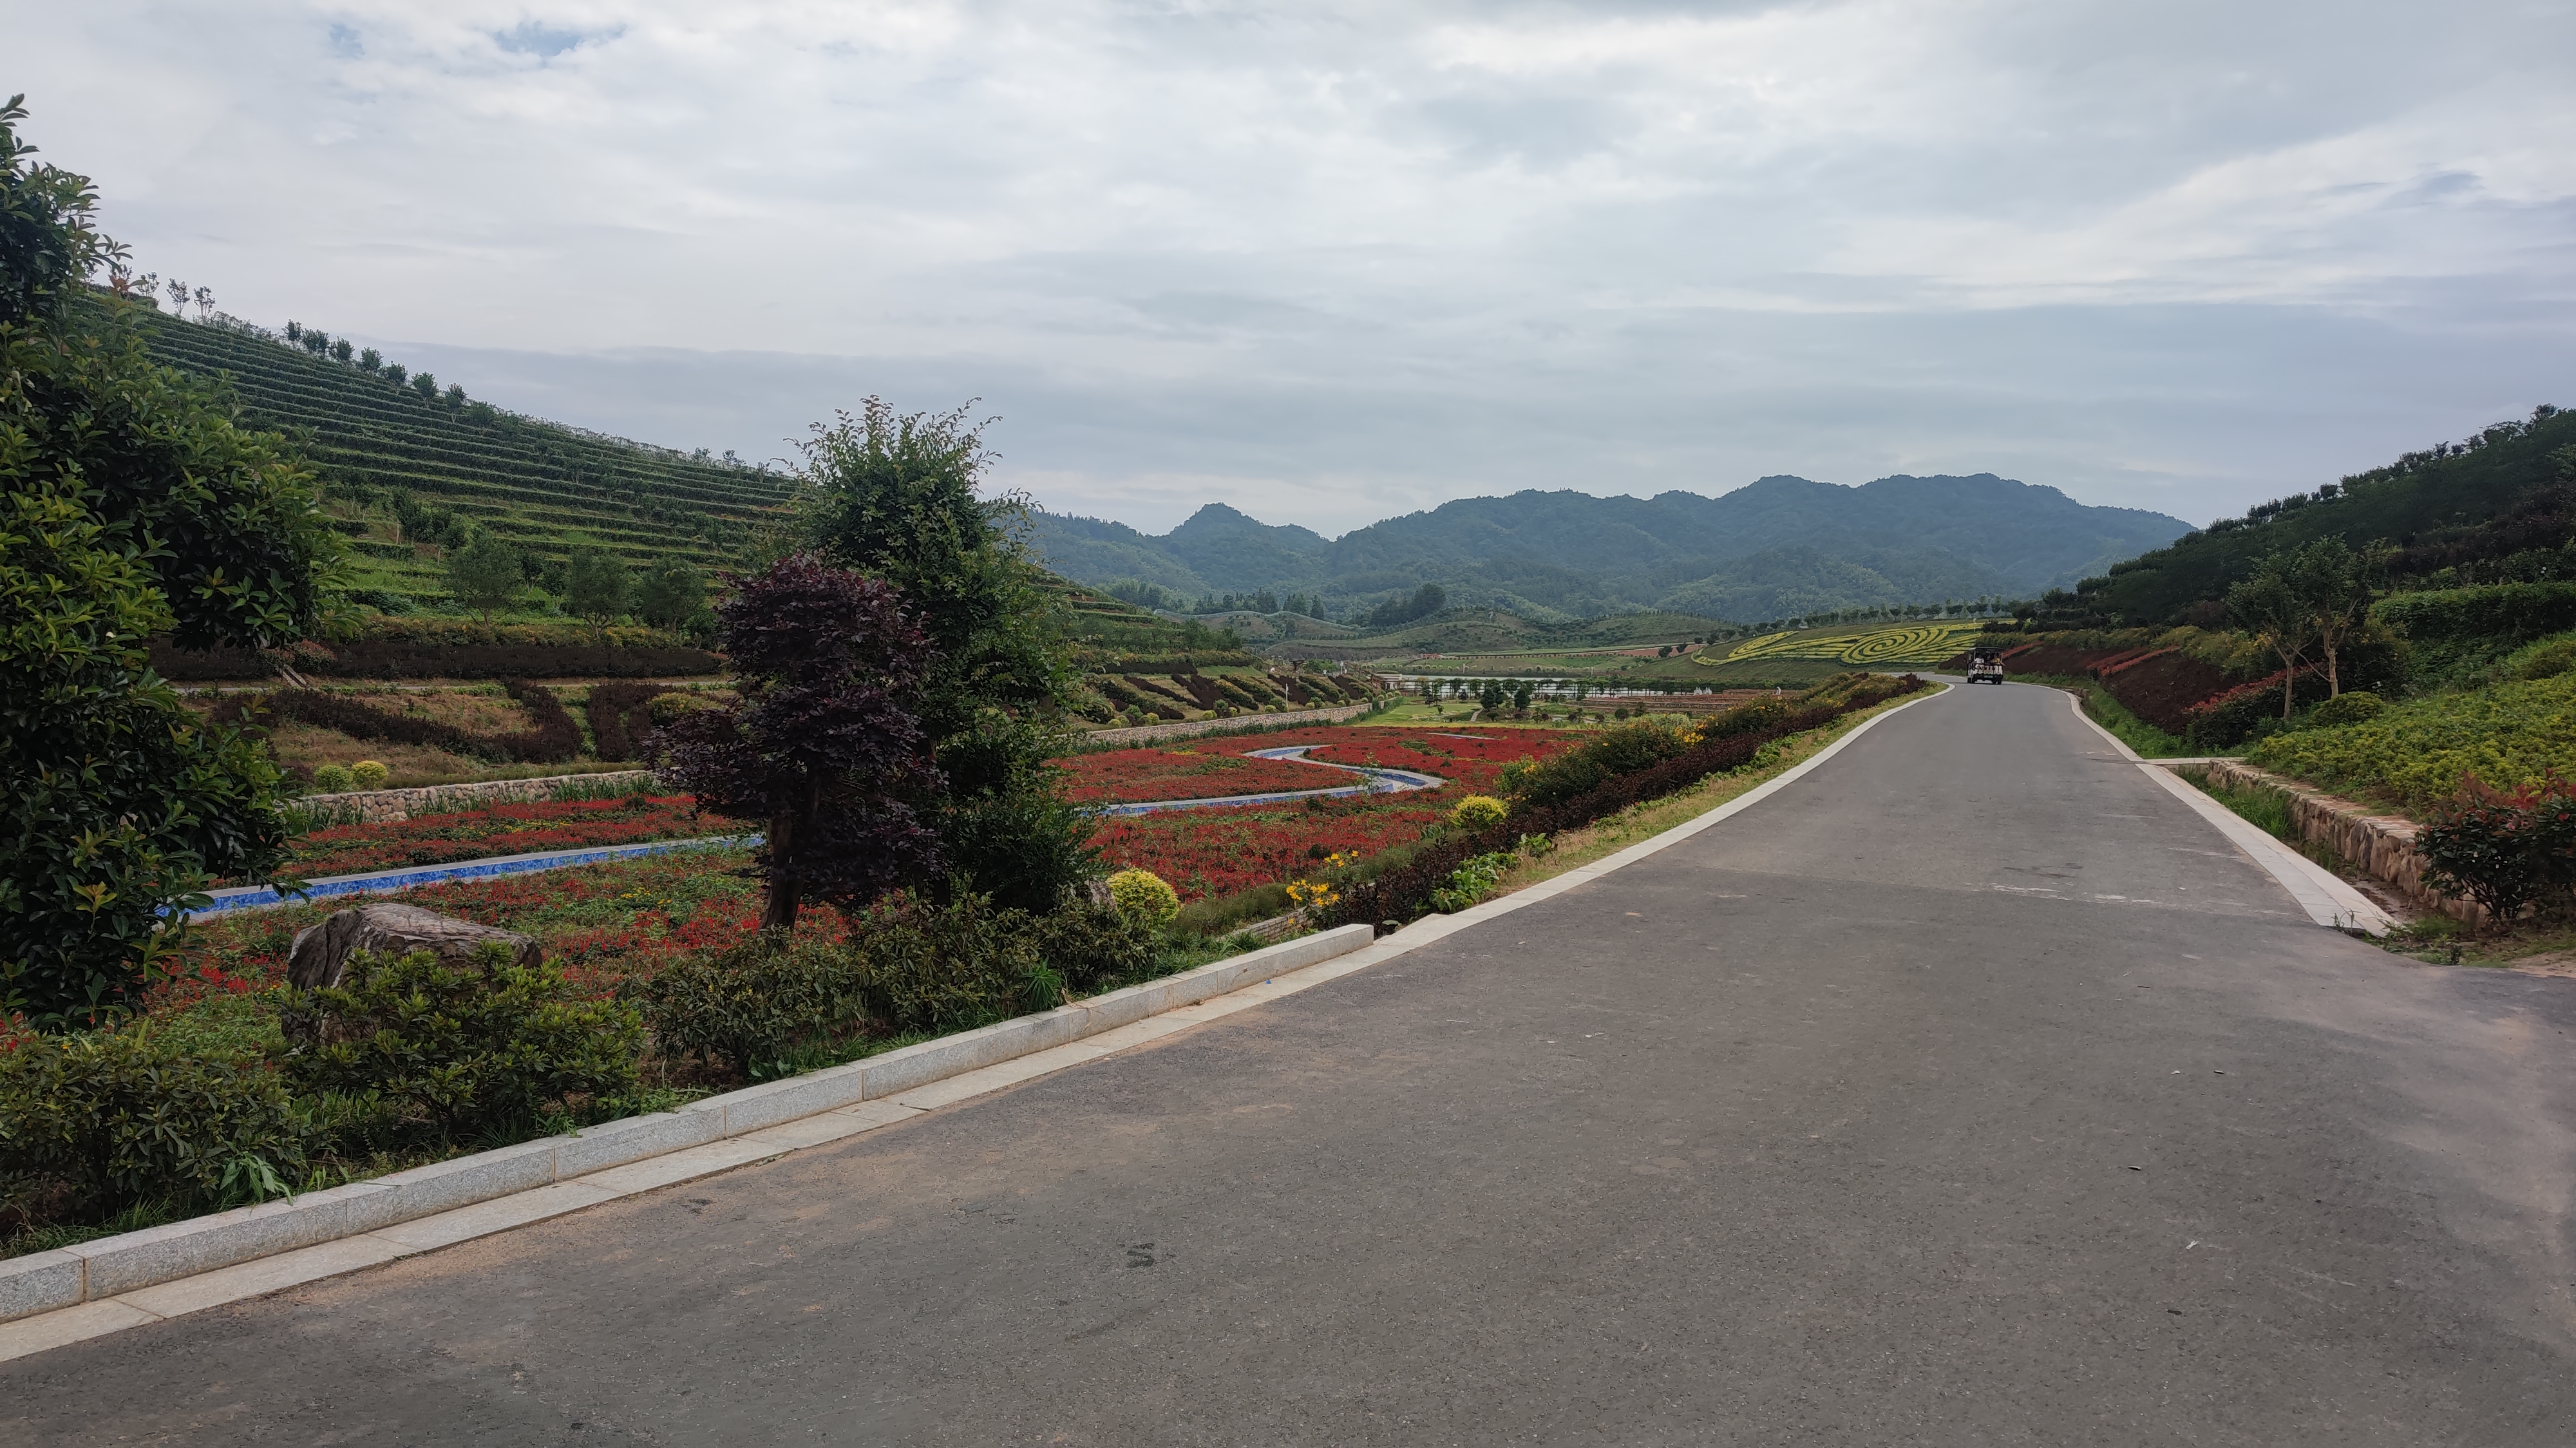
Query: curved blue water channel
x=1374, y=780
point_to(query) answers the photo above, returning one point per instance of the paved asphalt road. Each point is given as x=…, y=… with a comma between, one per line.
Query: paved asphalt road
x=1970, y=1091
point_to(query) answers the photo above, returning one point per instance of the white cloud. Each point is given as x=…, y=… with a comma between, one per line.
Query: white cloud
x=1330, y=261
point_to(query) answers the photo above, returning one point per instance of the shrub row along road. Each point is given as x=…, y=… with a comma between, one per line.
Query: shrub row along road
x=1971, y=1090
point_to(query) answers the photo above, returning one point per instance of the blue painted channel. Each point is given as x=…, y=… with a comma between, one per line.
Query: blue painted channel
x=261, y=897
x=1374, y=780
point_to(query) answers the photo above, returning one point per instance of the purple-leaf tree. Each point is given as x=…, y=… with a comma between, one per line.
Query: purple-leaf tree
x=824, y=746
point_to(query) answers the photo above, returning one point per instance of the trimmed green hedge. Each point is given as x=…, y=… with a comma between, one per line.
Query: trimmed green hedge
x=2500, y=612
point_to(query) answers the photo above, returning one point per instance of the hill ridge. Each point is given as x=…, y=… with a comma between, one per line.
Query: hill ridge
x=1781, y=545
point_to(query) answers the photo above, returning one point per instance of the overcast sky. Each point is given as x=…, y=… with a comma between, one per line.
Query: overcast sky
x=1334, y=262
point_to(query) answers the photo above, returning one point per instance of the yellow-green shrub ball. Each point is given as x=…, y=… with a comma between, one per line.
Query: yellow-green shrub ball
x=1142, y=895
x=1478, y=812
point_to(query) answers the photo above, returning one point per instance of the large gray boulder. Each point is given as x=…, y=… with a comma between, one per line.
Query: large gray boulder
x=322, y=952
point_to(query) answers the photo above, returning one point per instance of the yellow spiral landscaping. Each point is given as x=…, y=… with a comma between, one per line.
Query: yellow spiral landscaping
x=1918, y=643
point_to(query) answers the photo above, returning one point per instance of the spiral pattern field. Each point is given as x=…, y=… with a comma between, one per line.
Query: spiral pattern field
x=1920, y=643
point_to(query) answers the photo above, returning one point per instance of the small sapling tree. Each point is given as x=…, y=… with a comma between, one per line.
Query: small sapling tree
x=2272, y=606
x=822, y=745
x=486, y=573
x=597, y=584
x=670, y=594
x=2338, y=585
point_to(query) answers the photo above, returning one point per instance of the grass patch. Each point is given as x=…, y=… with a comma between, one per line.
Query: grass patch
x=2264, y=807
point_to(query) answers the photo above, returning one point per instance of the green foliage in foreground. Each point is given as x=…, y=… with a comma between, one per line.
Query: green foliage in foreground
x=133, y=507
x=99, y=1124
x=2418, y=751
x=413, y=1049
x=909, y=967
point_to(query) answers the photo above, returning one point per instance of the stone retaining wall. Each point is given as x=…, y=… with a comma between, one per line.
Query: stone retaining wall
x=2382, y=844
x=383, y=806
x=1147, y=733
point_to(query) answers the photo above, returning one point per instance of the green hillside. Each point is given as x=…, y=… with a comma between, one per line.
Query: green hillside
x=1496, y=633
x=401, y=466
x=2455, y=506
x=1117, y=635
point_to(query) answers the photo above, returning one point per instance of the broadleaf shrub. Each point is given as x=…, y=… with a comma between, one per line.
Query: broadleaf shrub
x=1472, y=880
x=97, y=1123
x=2347, y=708
x=2546, y=659
x=925, y=966
x=1144, y=895
x=748, y=1004
x=1622, y=750
x=436, y=1051
x=1088, y=945
x=620, y=718
x=2503, y=849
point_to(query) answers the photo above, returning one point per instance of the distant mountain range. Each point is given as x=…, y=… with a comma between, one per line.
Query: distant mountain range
x=1777, y=548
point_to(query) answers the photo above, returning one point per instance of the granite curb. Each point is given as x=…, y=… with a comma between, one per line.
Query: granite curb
x=111, y=1266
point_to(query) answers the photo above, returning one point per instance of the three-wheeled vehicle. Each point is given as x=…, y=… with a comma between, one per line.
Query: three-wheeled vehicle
x=1986, y=664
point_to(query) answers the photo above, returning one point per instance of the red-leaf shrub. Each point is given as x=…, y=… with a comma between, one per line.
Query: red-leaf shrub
x=821, y=745
x=2503, y=850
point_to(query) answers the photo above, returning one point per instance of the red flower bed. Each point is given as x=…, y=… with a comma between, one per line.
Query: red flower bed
x=1133, y=776
x=509, y=829
x=1212, y=852
x=604, y=922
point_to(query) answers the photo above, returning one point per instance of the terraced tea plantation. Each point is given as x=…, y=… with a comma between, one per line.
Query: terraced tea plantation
x=395, y=457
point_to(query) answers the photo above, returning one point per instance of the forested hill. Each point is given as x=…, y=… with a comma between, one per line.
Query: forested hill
x=2472, y=507
x=1781, y=546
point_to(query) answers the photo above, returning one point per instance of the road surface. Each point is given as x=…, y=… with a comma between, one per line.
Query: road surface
x=1969, y=1091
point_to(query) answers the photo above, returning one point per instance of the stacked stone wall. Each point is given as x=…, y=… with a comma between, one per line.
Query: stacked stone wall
x=2382, y=844
x=382, y=806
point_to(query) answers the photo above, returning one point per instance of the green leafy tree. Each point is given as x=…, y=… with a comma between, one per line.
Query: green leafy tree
x=895, y=497
x=671, y=594
x=2273, y=605
x=487, y=573
x=597, y=584
x=2338, y=583
x=133, y=507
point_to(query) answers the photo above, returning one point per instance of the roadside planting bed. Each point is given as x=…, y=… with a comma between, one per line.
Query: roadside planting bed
x=1135, y=776
x=509, y=829
x=1208, y=853
x=604, y=923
